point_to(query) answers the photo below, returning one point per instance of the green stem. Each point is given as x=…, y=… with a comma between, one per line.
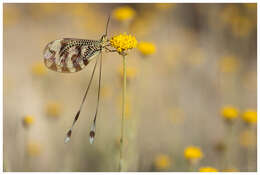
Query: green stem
x=123, y=115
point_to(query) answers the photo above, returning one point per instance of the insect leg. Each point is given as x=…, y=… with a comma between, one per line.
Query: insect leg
x=68, y=135
x=93, y=126
x=109, y=50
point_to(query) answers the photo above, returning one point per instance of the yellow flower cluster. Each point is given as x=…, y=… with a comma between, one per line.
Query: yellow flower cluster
x=208, y=169
x=146, y=48
x=229, y=112
x=250, y=116
x=39, y=69
x=28, y=120
x=124, y=13
x=123, y=42
x=162, y=162
x=193, y=153
x=229, y=64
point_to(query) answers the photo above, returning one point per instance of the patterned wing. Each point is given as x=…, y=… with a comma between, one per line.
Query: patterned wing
x=69, y=55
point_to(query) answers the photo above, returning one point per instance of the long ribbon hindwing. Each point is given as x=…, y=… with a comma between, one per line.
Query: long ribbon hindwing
x=69, y=55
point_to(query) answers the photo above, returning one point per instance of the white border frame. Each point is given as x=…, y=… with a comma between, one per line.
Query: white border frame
x=127, y=1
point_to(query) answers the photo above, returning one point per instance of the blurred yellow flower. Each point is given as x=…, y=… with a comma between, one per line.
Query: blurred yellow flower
x=229, y=12
x=162, y=162
x=229, y=112
x=123, y=42
x=124, y=13
x=34, y=149
x=28, y=120
x=250, y=116
x=130, y=72
x=165, y=6
x=230, y=170
x=53, y=109
x=146, y=48
x=239, y=22
x=242, y=26
x=229, y=64
x=193, y=153
x=208, y=169
x=39, y=69
x=247, y=138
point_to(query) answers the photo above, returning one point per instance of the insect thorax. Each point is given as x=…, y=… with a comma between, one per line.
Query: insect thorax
x=92, y=44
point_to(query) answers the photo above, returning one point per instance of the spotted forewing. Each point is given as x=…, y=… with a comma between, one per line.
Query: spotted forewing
x=69, y=55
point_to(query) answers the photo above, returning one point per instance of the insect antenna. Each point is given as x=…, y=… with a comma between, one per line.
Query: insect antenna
x=93, y=126
x=68, y=135
x=107, y=24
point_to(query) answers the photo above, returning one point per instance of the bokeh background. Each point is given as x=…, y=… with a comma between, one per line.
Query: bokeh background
x=191, y=88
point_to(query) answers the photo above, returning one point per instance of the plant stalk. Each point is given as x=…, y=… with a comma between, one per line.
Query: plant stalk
x=123, y=114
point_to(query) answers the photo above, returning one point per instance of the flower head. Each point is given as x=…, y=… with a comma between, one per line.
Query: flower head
x=28, y=120
x=208, y=169
x=229, y=112
x=193, y=153
x=123, y=42
x=162, y=162
x=124, y=13
x=39, y=69
x=146, y=48
x=250, y=116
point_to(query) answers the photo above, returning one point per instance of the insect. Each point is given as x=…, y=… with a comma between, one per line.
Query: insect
x=69, y=55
